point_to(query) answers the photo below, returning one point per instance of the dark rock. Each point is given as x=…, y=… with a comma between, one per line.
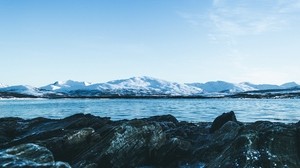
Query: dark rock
x=29, y=155
x=298, y=139
x=221, y=120
x=160, y=141
x=261, y=144
x=227, y=132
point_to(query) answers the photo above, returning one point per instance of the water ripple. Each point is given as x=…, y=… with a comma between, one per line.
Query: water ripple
x=195, y=110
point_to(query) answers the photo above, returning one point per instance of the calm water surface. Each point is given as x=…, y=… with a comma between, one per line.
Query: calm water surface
x=195, y=110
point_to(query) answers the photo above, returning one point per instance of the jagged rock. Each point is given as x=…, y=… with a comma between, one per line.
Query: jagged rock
x=261, y=144
x=221, y=120
x=298, y=137
x=29, y=155
x=160, y=141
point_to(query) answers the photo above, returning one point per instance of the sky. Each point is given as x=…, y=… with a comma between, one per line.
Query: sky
x=183, y=41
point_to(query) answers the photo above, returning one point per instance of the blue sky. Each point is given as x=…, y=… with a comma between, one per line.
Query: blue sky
x=184, y=41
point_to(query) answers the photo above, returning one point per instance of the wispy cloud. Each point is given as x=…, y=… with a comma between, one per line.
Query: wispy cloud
x=230, y=23
x=229, y=19
x=237, y=18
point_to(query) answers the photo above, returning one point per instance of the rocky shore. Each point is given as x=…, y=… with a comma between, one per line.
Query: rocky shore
x=84, y=140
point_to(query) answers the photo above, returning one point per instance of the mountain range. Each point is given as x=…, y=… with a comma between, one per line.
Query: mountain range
x=150, y=87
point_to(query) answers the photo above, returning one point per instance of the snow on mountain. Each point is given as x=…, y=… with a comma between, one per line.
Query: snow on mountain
x=147, y=85
x=210, y=87
x=244, y=87
x=289, y=85
x=136, y=85
x=22, y=89
x=141, y=86
x=262, y=86
x=221, y=86
x=2, y=85
x=65, y=86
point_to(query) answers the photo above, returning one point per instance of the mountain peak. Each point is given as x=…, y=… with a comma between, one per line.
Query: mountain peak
x=141, y=81
x=152, y=85
x=22, y=89
x=218, y=86
x=70, y=83
x=66, y=85
x=289, y=85
x=144, y=86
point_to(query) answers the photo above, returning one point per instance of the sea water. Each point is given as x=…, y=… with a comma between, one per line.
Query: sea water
x=192, y=110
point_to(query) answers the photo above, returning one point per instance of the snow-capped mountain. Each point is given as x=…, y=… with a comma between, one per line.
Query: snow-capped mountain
x=22, y=89
x=226, y=87
x=147, y=86
x=65, y=86
x=289, y=85
x=134, y=86
x=222, y=87
x=153, y=85
x=262, y=86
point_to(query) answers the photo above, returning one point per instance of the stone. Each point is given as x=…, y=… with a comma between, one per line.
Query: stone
x=84, y=140
x=298, y=139
x=221, y=120
x=29, y=155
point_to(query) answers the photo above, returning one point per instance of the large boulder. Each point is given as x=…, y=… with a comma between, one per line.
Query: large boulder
x=84, y=140
x=221, y=120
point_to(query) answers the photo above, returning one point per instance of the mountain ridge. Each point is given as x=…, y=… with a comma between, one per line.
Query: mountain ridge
x=142, y=86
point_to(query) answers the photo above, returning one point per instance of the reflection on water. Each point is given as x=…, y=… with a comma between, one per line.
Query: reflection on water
x=247, y=110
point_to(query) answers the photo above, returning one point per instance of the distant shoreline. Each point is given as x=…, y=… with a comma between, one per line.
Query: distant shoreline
x=296, y=95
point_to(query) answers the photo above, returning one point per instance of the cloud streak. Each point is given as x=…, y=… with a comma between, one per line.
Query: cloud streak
x=250, y=35
x=229, y=19
x=233, y=18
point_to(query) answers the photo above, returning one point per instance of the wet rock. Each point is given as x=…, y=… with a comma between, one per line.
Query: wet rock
x=226, y=133
x=221, y=120
x=160, y=141
x=261, y=144
x=80, y=136
x=128, y=137
x=29, y=155
x=297, y=138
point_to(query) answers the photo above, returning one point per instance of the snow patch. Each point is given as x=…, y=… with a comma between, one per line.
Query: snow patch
x=22, y=89
x=222, y=87
x=147, y=85
x=63, y=86
x=144, y=86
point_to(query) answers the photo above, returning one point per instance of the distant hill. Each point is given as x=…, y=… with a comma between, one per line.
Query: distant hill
x=149, y=87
